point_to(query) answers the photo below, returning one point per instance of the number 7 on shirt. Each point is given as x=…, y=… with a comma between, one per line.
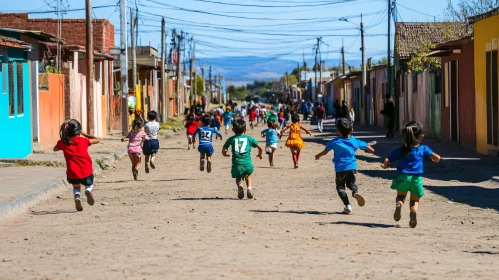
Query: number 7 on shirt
x=240, y=145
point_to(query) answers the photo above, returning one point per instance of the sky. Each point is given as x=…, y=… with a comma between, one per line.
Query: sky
x=266, y=29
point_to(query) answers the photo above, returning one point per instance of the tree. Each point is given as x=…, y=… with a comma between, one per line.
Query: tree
x=467, y=8
x=292, y=80
x=199, y=86
x=382, y=61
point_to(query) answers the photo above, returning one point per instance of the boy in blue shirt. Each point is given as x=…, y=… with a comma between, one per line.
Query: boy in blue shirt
x=205, y=147
x=345, y=163
x=271, y=135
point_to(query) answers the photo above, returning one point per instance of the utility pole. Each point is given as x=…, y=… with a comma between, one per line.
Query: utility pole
x=191, y=98
x=164, y=99
x=90, y=68
x=124, y=69
x=364, y=72
x=134, y=53
x=315, y=67
x=344, y=68
x=204, y=86
x=287, y=85
x=389, y=70
x=211, y=85
x=179, y=86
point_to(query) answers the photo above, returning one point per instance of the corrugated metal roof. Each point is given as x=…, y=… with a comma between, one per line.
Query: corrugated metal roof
x=39, y=35
x=14, y=43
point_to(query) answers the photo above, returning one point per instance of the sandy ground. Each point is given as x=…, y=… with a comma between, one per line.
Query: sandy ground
x=179, y=223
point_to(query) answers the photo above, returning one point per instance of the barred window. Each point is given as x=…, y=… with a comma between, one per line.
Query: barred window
x=20, y=89
x=11, y=88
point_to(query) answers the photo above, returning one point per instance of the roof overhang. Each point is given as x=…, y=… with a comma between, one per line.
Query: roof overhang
x=477, y=18
x=13, y=43
x=39, y=35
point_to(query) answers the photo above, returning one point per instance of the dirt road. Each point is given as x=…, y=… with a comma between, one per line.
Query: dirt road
x=179, y=223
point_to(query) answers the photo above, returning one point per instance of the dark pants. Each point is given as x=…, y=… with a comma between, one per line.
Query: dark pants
x=305, y=115
x=391, y=126
x=346, y=178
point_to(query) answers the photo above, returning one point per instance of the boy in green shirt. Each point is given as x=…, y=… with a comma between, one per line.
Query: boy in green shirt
x=242, y=166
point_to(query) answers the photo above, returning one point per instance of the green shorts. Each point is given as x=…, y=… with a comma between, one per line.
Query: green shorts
x=244, y=171
x=409, y=183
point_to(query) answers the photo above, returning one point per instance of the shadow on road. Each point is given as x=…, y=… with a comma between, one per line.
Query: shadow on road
x=206, y=198
x=482, y=252
x=370, y=225
x=474, y=196
x=301, y=212
x=53, y=212
x=173, y=180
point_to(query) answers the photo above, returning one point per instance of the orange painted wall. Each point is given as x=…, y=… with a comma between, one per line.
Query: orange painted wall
x=51, y=111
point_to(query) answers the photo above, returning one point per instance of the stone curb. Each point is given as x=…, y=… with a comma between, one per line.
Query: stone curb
x=26, y=200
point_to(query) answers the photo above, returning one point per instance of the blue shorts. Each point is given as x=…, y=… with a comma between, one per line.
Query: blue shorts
x=217, y=125
x=206, y=149
x=150, y=147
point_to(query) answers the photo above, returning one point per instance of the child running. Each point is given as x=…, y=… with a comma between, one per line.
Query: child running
x=410, y=169
x=135, y=138
x=271, y=135
x=205, y=147
x=151, y=146
x=227, y=120
x=191, y=124
x=78, y=162
x=295, y=142
x=242, y=166
x=345, y=163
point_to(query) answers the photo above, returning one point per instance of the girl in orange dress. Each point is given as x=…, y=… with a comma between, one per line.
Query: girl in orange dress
x=295, y=142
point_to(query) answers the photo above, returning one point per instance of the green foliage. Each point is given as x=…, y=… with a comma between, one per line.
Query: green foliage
x=382, y=61
x=199, y=86
x=292, y=79
x=53, y=70
x=239, y=93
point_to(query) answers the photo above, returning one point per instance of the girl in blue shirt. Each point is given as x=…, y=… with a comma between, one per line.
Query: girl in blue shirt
x=410, y=169
x=271, y=135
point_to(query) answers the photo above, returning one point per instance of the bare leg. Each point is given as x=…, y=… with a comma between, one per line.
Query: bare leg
x=250, y=190
x=201, y=161
x=414, y=209
x=208, y=164
x=399, y=203
x=147, y=163
x=77, y=196
x=240, y=188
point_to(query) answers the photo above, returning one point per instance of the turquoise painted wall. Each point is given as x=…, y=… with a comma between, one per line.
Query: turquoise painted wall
x=18, y=141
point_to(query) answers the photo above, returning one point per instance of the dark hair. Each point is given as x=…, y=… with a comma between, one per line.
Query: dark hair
x=69, y=129
x=239, y=126
x=320, y=104
x=388, y=96
x=410, y=136
x=137, y=124
x=270, y=124
x=190, y=117
x=152, y=115
x=344, y=126
x=295, y=118
x=206, y=120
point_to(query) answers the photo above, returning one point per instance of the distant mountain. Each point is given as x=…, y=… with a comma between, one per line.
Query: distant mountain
x=239, y=70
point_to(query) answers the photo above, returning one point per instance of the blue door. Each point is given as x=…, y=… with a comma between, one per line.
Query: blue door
x=15, y=109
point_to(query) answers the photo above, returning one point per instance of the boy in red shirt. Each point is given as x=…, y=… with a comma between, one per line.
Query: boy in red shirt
x=191, y=124
x=252, y=117
x=78, y=162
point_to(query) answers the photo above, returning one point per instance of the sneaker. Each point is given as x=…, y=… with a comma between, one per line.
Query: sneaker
x=348, y=209
x=240, y=192
x=147, y=168
x=152, y=165
x=201, y=165
x=90, y=197
x=397, y=215
x=78, y=203
x=208, y=166
x=249, y=194
x=413, y=222
x=360, y=200
x=189, y=147
x=193, y=146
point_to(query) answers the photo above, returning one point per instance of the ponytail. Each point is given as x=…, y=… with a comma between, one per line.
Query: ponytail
x=69, y=129
x=410, y=136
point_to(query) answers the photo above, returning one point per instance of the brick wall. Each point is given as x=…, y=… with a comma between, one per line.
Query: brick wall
x=73, y=30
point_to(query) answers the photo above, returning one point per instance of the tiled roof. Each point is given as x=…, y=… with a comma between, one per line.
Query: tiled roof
x=12, y=42
x=483, y=16
x=411, y=37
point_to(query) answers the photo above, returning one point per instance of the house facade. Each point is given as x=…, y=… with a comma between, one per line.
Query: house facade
x=486, y=60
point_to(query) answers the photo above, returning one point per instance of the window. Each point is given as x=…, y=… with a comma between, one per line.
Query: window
x=11, y=88
x=20, y=89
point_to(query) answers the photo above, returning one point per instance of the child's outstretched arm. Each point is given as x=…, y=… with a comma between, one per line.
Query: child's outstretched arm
x=321, y=154
x=260, y=152
x=93, y=139
x=370, y=150
x=124, y=139
x=435, y=158
x=219, y=134
x=225, y=152
x=306, y=130
x=282, y=131
x=386, y=164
